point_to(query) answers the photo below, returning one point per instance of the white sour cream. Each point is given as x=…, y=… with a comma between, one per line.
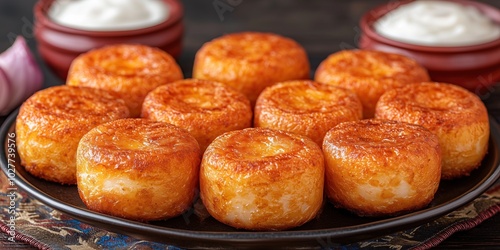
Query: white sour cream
x=108, y=15
x=437, y=23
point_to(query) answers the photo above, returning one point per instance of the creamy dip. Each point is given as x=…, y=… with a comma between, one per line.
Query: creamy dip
x=108, y=15
x=437, y=23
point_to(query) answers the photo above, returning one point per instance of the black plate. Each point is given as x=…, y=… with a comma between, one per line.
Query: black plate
x=332, y=227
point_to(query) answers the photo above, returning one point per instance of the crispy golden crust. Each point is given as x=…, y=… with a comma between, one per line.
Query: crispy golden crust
x=130, y=70
x=246, y=179
x=251, y=61
x=206, y=109
x=378, y=167
x=138, y=169
x=306, y=107
x=52, y=121
x=369, y=74
x=455, y=115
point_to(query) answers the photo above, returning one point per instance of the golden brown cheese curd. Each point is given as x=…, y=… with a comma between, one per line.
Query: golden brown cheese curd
x=251, y=61
x=52, y=121
x=457, y=116
x=369, y=74
x=131, y=70
x=138, y=169
x=306, y=107
x=206, y=109
x=262, y=179
x=381, y=168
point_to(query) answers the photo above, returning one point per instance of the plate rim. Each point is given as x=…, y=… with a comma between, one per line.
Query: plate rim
x=242, y=237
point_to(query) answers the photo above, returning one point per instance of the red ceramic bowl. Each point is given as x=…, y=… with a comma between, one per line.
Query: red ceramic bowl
x=475, y=67
x=59, y=45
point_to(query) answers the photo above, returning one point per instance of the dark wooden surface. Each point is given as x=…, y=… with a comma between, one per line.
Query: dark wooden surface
x=322, y=27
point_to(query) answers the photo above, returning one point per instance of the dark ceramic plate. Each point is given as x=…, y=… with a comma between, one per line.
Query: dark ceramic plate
x=333, y=226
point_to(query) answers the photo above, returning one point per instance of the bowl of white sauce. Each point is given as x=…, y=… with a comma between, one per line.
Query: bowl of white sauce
x=458, y=41
x=65, y=29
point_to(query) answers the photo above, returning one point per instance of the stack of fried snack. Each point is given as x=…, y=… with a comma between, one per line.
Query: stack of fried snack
x=261, y=141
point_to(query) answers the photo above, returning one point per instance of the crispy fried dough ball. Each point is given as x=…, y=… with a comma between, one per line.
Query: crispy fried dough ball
x=52, y=121
x=262, y=179
x=131, y=70
x=457, y=116
x=306, y=107
x=380, y=168
x=369, y=74
x=138, y=169
x=206, y=109
x=251, y=61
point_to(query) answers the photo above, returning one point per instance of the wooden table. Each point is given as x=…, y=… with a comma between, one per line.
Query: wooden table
x=322, y=27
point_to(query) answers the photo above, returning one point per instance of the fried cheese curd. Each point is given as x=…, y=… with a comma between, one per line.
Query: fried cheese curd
x=306, y=107
x=458, y=117
x=131, y=70
x=206, y=109
x=369, y=74
x=138, y=169
x=262, y=179
x=251, y=61
x=52, y=121
x=381, y=168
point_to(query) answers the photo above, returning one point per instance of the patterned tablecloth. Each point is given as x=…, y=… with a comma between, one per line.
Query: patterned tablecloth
x=45, y=228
